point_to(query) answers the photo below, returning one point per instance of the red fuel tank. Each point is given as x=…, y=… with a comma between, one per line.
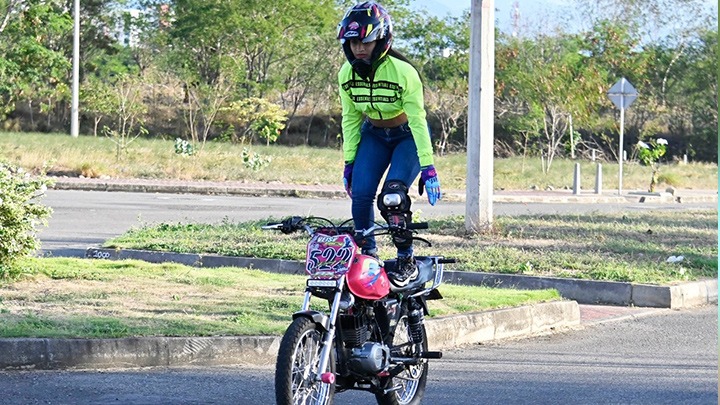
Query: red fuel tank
x=367, y=278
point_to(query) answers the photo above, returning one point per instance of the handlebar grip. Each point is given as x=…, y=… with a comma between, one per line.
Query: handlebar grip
x=445, y=261
x=417, y=225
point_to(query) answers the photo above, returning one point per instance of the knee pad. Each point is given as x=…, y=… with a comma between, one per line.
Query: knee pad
x=394, y=203
x=394, y=198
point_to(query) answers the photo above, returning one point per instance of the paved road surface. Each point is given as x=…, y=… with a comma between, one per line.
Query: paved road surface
x=667, y=358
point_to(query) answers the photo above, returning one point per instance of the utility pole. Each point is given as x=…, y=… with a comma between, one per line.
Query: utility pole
x=481, y=110
x=74, y=124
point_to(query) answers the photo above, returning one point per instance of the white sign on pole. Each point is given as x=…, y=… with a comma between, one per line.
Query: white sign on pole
x=622, y=94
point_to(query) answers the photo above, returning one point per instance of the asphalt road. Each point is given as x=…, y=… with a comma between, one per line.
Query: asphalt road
x=670, y=358
x=83, y=219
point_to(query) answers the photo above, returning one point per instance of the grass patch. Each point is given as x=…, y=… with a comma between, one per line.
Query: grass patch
x=156, y=159
x=83, y=298
x=630, y=247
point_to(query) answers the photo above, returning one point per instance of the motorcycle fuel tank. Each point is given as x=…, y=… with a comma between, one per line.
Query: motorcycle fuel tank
x=367, y=278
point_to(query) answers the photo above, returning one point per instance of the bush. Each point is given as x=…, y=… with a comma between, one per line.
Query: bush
x=19, y=214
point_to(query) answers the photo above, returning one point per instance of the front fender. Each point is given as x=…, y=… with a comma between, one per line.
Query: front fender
x=318, y=317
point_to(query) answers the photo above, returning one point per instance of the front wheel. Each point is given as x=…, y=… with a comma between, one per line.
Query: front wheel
x=408, y=387
x=296, y=371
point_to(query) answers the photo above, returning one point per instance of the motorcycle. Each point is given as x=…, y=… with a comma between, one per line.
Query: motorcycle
x=372, y=336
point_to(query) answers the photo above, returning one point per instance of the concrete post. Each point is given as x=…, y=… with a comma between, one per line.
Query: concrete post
x=480, y=137
x=576, y=180
x=598, y=179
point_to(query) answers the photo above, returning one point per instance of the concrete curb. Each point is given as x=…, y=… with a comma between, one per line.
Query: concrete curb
x=444, y=332
x=272, y=190
x=48, y=354
x=683, y=295
x=195, y=188
x=584, y=291
x=501, y=324
x=198, y=260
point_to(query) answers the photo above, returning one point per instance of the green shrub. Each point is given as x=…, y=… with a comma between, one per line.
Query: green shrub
x=20, y=213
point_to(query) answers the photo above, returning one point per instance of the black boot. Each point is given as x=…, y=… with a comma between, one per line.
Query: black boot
x=405, y=272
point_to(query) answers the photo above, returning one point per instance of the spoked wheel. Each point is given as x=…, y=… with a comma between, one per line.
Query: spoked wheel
x=297, y=379
x=409, y=385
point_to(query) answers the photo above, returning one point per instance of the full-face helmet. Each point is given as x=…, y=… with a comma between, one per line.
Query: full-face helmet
x=367, y=21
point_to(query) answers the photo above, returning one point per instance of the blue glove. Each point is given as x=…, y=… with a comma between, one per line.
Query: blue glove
x=347, y=178
x=429, y=181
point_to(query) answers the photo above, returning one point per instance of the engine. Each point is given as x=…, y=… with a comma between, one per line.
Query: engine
x=355, y=329
x=371, y=358
x=364, y=356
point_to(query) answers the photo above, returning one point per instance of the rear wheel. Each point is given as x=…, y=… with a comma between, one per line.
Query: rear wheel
x=296, y=371
x=408, y=386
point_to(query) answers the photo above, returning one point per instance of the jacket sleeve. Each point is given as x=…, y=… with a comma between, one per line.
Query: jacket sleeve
x=351, y=120
x=414, y=107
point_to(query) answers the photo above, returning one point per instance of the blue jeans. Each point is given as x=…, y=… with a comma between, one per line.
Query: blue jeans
x=379, y=149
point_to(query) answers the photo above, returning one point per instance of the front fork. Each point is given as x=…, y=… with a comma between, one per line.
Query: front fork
x=329, y=334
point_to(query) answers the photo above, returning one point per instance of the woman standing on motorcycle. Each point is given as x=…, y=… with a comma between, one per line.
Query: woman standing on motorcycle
x=383, y=123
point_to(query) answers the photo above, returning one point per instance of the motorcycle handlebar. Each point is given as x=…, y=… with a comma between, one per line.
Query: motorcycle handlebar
x=293, y=224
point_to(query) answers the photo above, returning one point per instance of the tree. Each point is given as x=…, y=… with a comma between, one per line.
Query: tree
x=226, y=51
x=544, y=84
x=201, y=106
x=688, y=84
x=439, y=47
x=256, y=117
x=36, y=50
x=448, y=105
x=649, y=42
x=98, y=100
x=308, y=78
x=129, y=114
x=33, y=65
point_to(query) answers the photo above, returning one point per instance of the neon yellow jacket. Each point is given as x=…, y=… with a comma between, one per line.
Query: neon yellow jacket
x=394, y=89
